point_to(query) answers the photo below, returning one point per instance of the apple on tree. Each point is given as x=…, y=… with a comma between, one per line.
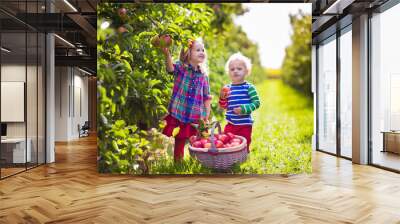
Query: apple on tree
x=155, y=41
x=122, y=29
x=165, y=41
x=122, y=13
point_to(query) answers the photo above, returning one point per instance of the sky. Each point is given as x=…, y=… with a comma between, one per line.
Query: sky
x=268, y=25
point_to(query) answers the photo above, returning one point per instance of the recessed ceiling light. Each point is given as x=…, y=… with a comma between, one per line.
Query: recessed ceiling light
x=71, y=6
x=86, y=72
x=5, y=50
x=64, y=40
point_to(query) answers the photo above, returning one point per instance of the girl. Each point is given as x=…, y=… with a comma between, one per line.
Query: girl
x=191, y=99
x=239, y=98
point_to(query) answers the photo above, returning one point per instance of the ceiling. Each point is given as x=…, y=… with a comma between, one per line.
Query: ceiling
x=329, y=15
x=74, y=22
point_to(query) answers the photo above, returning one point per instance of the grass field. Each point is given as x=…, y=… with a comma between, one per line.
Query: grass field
x=281, y=140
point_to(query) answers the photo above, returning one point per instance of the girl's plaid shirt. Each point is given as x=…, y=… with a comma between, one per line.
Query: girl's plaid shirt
x=191, y=89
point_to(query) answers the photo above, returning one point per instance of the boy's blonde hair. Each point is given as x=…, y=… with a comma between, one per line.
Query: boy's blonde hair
x=239, y=56
x=184, y=56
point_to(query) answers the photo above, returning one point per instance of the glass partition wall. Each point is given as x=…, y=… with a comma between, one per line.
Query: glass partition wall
x=385, y=89
x=327, y=95
x=334, y=104
x=346, y=92
x=22, y=77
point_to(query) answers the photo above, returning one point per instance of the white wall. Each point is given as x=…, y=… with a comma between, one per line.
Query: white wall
x=12, y=73
x=34, y=125
x=71, y=94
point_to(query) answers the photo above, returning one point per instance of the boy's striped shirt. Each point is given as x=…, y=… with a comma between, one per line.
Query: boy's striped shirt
x=242, y=95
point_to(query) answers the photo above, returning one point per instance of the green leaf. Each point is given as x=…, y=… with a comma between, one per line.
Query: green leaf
x=175, y=132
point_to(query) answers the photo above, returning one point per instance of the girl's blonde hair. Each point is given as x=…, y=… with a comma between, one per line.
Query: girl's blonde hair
x=239, y=56
x=184, y=56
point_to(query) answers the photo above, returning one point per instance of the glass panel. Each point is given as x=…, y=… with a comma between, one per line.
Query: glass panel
x=14, y=153
x=41, y=99
x=385, y=89
x=32, y=97
x=327, y=96
x=346, y=94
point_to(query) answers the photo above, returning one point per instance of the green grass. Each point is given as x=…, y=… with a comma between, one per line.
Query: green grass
x=282, y=131
x=281, y=140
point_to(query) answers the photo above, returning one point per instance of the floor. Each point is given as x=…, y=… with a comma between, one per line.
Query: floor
x=388, y=159
x=71, y=191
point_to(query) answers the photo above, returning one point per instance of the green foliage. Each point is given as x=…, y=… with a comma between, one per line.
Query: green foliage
x=296, y=69
x=134, y=88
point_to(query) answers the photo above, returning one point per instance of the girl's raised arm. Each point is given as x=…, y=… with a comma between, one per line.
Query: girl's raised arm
x=168, y=59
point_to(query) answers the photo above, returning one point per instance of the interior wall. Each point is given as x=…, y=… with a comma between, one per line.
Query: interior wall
x=15, y=72
x=71, y=102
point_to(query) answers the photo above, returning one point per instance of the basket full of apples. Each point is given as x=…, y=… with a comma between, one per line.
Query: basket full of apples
x=218, y=151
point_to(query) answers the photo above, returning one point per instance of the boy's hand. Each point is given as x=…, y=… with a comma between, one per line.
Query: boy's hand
x=237, y=110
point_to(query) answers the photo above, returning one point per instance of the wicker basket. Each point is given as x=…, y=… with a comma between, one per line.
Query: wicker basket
x=222, y=158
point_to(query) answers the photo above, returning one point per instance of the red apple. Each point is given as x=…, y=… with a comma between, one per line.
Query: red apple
x=197, y=144
x=122, y=29
x=219, y=144
x=165, y=41
x=193, y=139
x=224, y=138
x=236, y=140
x=231, y=136
x=205, y=141
x=225, y=89
x=216, y=8
x=234, y=144
x=207, y=145
x=122, y=12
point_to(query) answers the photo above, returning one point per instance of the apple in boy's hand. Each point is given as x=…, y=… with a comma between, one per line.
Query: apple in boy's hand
x=165, y=41
x=225, y=89
x=225, y=92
